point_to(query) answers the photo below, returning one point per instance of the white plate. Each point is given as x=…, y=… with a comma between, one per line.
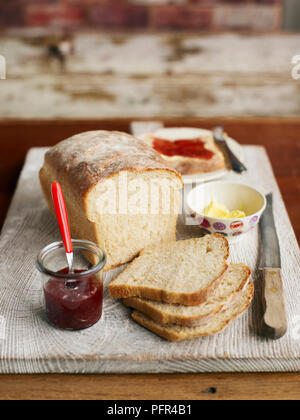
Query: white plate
x=236, y=148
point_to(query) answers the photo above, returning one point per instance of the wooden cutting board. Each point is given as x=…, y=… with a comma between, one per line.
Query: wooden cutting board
x=116, y=344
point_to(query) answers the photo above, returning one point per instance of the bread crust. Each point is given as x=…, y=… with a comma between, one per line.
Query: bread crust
x=166, y=331
x=189, y=321
x=193, y=167
x=121, y=291
x=86, y=159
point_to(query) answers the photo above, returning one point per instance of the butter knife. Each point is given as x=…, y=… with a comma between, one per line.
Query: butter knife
x=219, y=138
x=274, y=319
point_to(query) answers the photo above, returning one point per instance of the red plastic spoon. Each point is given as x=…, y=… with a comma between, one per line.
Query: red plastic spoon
x=63, y=221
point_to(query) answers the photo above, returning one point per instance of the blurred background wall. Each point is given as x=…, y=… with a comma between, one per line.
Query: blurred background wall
x=291, y=15
x=262, y=15
x=149, y=58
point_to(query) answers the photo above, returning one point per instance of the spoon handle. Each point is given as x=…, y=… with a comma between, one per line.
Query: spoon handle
x=62, y=216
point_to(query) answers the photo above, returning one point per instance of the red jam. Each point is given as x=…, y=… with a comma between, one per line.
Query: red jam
x=188, y=148
x=76, y=305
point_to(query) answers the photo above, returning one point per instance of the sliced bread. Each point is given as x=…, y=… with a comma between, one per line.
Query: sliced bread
x=184, y=272
x=183, y=138
x=214, y=325
x=233, y=281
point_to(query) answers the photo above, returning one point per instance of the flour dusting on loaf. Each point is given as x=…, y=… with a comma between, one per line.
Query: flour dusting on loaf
x=89, y=157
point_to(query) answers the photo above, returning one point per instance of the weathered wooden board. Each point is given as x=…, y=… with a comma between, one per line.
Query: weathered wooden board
x=213, y=75
x=116, y=344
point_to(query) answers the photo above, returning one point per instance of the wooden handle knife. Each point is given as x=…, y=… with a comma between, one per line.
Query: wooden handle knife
x=275, y=317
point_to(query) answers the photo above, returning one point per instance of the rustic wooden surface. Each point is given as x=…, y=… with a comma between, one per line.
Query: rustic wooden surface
x=117, y=344
x=281, y=140
x=280, y=137
x=228, y=386
x=183, y=73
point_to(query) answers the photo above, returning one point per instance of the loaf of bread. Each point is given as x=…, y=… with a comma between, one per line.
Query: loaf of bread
x=213, y=325
x=233, y=282
x=119, y=192
x=183, y=158
x=184, y=272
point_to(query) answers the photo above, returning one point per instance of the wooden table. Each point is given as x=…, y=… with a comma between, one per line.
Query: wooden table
x=281, y=137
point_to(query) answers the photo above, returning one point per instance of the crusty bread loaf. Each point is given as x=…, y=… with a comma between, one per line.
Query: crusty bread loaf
x=184, y=272
x=211, y=326
x=233, y=281
x=115, y=189
x=189, y=165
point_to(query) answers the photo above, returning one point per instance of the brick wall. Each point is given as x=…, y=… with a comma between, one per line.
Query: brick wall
x=258, y=15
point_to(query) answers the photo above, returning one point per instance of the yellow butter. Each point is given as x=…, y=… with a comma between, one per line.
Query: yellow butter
x=236, y=214
x=219, y=211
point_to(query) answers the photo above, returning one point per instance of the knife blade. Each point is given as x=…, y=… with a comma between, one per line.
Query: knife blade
x=219, y=137
x=274, y=318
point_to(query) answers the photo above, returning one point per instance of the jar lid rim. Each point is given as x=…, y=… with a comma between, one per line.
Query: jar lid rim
x=77, y=243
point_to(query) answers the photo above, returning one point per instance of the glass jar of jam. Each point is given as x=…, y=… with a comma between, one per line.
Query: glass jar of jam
x=73, y=300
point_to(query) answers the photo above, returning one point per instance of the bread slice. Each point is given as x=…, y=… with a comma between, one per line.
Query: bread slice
x=184, y=272
x=212, y=326
x=233, y=281
x=189, y=165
